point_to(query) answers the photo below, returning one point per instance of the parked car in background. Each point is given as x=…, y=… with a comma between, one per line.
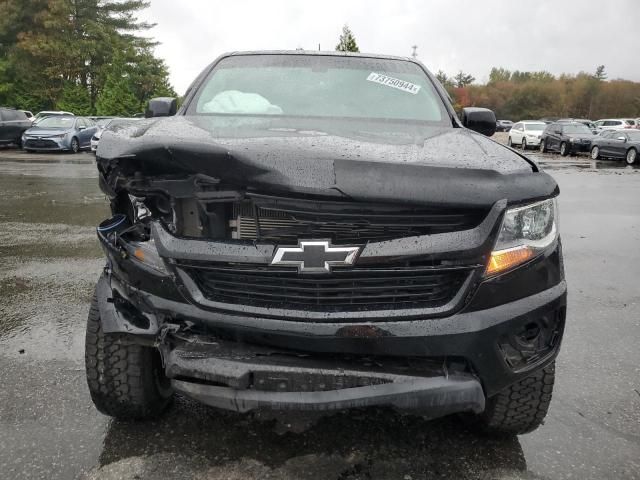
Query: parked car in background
x=617, y=144
x=566, y=138
x=103, y=124
x=615, y=124
x=526, y=133
x=50, y=113
x=12, y=124
x=29, y=115
x=503, y=125
x=584, y=121
x=60, y=132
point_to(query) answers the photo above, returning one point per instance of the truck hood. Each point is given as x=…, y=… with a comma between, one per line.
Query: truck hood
x=362, y=160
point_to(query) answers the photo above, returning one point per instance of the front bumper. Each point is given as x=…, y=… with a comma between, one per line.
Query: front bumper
x=46, y=144
x=533, y=141
x=245, y=377
x=579, y=147
x=478, y=350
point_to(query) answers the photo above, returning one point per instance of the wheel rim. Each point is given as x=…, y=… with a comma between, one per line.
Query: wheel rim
x=563, y=149
x=631, y=156
x=74, y=145
x=524, y=144
x=594, y=153
x=509, y=141
x=542, y=146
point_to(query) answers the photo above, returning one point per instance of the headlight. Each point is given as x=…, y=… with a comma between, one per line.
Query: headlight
x=526, y=232
x=146, y=253
x=62, y=135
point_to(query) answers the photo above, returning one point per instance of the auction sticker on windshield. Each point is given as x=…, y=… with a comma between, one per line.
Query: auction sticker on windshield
x=394, y=83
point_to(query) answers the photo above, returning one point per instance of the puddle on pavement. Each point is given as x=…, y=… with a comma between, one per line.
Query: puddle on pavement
x=550, y=161
x=44, y=307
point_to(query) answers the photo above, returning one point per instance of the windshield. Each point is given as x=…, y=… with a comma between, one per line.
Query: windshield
x=535, y=126
x=57, y=121
x=103, y=122
x=576, y=129
x=319, y=86
x=634, y=136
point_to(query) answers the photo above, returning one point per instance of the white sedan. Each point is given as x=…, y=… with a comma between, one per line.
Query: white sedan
x=526, y=134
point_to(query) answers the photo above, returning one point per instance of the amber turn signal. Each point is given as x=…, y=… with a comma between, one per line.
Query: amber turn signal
x=139, y=254
x=503, y=260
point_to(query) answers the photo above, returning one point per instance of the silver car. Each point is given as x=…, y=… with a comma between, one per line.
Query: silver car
x=59, y=132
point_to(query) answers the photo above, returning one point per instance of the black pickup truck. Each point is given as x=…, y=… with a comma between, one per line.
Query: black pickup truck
x=321, y=231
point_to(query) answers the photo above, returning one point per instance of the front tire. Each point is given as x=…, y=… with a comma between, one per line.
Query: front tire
x=564, y=149
x=125, y=381
x=509, y=142
x=522, y=407
x=595, y=153
x=632, y=156
x=543, y=146
x=524, y=144
x=75, y=145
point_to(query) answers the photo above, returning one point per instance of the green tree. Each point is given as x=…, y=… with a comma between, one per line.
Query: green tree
x=499, y=75
x=48, y=45
x=444, y=79
x=600, y=73
x=347, y=42
x=117, y=97
x=463, y=79
x=75, y=98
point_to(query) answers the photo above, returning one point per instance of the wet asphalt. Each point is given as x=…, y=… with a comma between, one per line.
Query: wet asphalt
x=50, y=260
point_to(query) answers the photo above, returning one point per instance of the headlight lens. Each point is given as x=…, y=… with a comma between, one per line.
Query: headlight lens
x=147, y=253
x=526, y=231
x=58, y=136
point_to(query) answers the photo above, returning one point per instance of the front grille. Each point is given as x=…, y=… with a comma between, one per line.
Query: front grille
x=285, y=221
x=40, y=143
x=352, y=289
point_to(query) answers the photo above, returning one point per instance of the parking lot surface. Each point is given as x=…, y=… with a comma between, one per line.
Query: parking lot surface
x=50, y=260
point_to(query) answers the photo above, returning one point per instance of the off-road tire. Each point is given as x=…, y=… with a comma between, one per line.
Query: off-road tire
x=125, y=381
x=520, y=408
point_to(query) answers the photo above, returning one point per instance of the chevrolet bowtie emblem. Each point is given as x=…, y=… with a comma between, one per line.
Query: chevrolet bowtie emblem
x=315, y=256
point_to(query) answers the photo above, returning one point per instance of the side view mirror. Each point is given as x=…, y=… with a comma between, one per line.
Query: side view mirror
x=624, y=139
x=481, y=120
x=81, y=128
x=558, y=132
x=161, y=107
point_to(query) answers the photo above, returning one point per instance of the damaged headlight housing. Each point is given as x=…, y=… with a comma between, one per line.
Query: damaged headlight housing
x=147, y=254
x=526, y=231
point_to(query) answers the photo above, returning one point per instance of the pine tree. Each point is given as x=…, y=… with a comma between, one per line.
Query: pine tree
x=600, y=73
x=75, y=98
x=347, y=41
x=463, y=79
x=48, y=45
x=117, y=97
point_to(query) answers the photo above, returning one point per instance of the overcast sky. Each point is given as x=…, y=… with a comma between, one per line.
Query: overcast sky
x=558, y=36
